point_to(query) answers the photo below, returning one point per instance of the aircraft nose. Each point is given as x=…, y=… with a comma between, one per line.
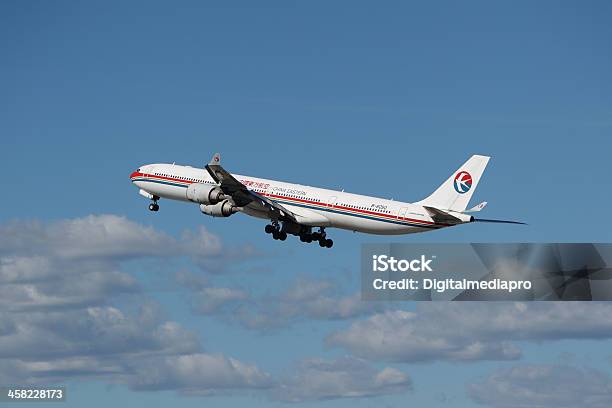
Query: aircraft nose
x=133, y=175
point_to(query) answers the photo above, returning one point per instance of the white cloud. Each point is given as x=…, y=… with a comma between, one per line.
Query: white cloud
x=57, y=322
x=77, y=262
x=305, y=299
x=318, y=379
x=543, y=386
x=201, y=243
x=52, y=371
x=197, y=374
x=466, y=331
x=92, y=331
x=107, y=236
x=104, y=343
x=66, y=288
x=212, y=299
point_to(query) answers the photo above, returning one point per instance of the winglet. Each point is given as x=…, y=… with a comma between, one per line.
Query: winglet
x=216, y=159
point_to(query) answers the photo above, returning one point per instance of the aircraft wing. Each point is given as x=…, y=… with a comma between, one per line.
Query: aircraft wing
x=242, y=196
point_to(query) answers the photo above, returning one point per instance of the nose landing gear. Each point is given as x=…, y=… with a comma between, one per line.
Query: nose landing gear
x=154, y=206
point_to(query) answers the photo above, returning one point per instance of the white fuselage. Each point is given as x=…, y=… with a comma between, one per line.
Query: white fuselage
x=343, y=210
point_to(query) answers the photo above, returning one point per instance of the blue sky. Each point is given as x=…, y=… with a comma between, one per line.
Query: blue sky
x=385, y=101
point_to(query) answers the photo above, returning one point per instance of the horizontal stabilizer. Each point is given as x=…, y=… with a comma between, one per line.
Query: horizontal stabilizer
x=442, y=216
x=476, y=208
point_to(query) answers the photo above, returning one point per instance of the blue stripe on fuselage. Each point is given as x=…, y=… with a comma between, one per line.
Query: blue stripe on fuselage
x=169, y=183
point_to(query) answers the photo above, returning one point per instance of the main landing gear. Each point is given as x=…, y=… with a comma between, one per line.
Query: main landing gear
x=305, y=234
x=154, y=206
x=276, y=232
x=320, y=236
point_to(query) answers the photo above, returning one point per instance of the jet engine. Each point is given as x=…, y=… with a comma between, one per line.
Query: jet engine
x=223, y=209
x=204, y=193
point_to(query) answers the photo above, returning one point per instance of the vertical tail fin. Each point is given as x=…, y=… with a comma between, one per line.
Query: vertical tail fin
x=455, y=193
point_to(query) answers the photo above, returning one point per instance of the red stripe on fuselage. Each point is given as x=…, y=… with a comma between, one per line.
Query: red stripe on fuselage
x=358, y=210
x=300, y=200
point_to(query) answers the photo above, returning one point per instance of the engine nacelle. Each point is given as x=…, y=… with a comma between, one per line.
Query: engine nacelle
x=222, y=209
x=204, y=194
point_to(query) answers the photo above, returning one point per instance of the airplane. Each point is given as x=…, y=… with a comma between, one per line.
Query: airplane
x=297, y=209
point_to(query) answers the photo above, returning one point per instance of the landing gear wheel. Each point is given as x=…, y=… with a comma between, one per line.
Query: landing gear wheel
x=270, y=229
x=306, y=237
x=322, y=243
x=275, y=234
x=153, y=207
x=282, y=235
x=329, y=243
